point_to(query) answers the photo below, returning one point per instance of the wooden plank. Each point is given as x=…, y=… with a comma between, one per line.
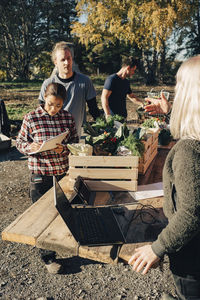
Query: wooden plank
x=57, y=237
x=154, y=171
x=104, y=161
x=29, y=225
x=147, y=155
x=103, y=173
x=104, y=254
x=143, y=167
x=104, y=185
x=148, y=142
x=146, y=225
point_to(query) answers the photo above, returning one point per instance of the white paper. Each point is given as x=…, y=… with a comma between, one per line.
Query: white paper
x=148, y=191
x=52, y=142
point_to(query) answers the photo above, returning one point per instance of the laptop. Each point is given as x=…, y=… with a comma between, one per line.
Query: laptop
x=84, y=192
x=90, y=226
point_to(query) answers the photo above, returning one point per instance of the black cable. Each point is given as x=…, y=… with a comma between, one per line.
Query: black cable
x=144, y=211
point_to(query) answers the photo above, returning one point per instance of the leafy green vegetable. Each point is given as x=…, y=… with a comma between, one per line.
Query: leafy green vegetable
x=149, y=123
x=122, y=132
x=88, y=129
x=133, y=144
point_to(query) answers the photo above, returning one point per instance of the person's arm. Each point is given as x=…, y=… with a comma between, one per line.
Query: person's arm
x=157, y=106
x=24, y=142
x=93, y=108
x=133, y=98
x=104, y=101
x=184, y=225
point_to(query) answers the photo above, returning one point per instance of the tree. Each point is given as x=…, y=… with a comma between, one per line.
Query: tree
x=189, y=34
x=146, y=25
x=28, y=27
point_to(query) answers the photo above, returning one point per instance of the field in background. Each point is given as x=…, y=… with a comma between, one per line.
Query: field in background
x=22, y=97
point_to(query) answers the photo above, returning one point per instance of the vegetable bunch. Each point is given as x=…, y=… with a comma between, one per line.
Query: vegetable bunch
x=107, y=135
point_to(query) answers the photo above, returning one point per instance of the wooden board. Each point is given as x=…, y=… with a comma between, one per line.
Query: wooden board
x=28, y=226
x=146, y=225
x=57, y=237
x=106, y=173
x=40, y=225
x=107, y=185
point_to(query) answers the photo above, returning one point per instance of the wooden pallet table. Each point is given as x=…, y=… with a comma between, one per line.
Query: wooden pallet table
x=41, y=225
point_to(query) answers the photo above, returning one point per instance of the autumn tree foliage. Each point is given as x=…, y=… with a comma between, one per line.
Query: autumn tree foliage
x=144, y=24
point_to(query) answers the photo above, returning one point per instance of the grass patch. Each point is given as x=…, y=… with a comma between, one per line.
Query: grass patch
x=14, y=85
x=18, y=111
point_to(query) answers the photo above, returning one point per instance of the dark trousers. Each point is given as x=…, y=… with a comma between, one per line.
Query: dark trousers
x=39, y=185
x=188, y=287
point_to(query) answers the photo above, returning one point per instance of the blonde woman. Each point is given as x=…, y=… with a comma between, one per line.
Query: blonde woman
x=180, y=239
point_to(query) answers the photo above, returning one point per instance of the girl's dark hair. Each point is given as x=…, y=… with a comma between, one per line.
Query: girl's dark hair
x=57, y=90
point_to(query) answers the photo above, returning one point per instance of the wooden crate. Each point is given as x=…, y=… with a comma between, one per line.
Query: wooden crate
x=151, y=150
x=113, y=173
x=105, y=173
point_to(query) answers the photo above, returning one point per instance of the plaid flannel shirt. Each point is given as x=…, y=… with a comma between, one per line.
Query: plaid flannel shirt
x=39, y=126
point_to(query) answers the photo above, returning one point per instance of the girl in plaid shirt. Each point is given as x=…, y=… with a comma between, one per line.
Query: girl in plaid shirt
x=46, y=121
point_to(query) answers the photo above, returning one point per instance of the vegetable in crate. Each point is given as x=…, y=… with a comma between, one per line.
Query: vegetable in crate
x=80, y=149
x=150, y=123
x=122, y=132
x=89, y=129
x=135, y=145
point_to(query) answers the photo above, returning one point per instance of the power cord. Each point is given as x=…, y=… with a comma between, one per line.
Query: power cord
x=144, y=213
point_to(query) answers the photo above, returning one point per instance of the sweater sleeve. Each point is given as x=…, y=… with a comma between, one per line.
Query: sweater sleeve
x=24, y=139
x=184, y=224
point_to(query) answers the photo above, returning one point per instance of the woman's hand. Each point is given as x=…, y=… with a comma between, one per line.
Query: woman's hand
x=58, y=149
x=157, y=106
x=143, y=258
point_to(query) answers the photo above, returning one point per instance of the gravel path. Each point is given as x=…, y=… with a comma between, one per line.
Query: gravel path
x=24, y=276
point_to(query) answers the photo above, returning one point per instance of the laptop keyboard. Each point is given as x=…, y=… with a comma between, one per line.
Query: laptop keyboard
x=91, y=228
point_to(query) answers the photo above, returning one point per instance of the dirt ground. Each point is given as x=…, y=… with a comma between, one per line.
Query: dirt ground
x=24, y=276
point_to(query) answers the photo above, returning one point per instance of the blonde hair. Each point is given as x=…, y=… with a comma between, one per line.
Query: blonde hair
x=185, y=116
x=59, y=46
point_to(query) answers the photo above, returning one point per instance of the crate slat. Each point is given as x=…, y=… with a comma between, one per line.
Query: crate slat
x=104, y=161
x=106, y=185
x=144, y=166
x=103, y=173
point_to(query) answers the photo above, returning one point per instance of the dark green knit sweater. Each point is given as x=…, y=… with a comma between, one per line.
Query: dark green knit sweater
x=181, y=173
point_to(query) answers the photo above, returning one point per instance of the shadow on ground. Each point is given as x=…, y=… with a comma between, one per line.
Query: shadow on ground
x=72, y=265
